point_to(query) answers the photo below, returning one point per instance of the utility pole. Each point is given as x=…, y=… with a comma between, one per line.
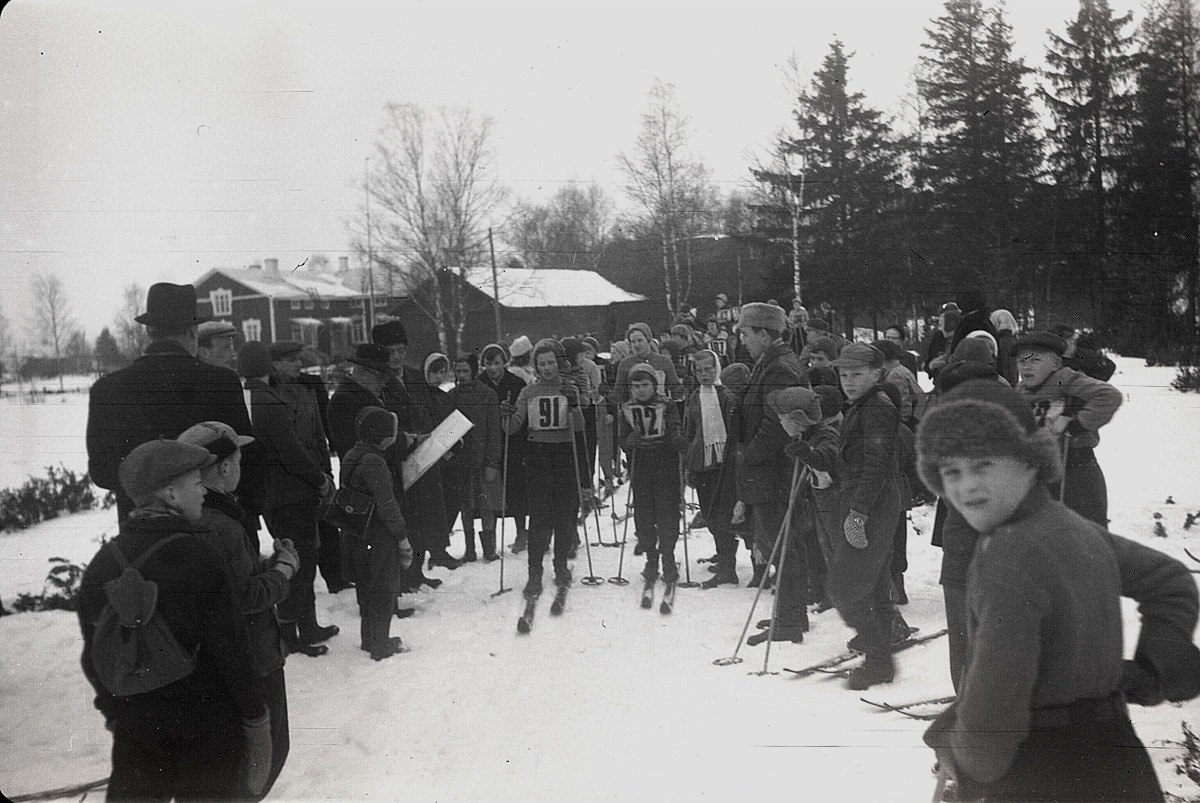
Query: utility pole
x=495, y=286
x=370, y=256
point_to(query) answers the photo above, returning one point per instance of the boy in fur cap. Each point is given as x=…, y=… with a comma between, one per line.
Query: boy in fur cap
x=1041, y=709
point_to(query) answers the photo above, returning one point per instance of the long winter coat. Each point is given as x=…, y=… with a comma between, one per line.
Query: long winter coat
x=1044, y=628
x=423, y=503
x=257, y=587
x=481, y=445
x=764, y=471
x=161, y=394
x=375, y=558
x=348, y=399
x=507, y=390
x=869, y=441
x=288, y=425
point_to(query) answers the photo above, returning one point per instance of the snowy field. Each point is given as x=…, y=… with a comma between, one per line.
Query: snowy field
x=607, y=702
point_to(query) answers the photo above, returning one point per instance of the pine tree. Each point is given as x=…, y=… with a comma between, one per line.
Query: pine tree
x=1090, y=72
x=850, y=187
x=1159, y=219
x=984, y=153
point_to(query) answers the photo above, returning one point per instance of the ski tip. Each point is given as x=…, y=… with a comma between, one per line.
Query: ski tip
x=664, y=608
x=523, y=625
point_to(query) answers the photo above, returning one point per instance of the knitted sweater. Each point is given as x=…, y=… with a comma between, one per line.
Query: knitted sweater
x=1090, y=403
x=545, y=409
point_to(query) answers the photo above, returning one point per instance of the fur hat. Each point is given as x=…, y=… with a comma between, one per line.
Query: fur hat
x=373, y=424
x=391, y=333
x=644, y=370
x=762, y=316
x=859, y=355
x=154, y=464
x=1041, y=341
x=824, y=345
x=736, y=376
x=644, y=328
x=831, y=399
x=984, y=419
x=801, y=403
x=253, y=359
x=170, y=305
x=970, y=298
x=520, y=346
x=371, y=355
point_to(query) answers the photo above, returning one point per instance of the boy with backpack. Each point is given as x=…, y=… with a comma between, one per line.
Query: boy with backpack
x=165, y=647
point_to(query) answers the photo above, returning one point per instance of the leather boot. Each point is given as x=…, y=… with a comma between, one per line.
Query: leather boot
x=725, y=573
x=521, y=542
x=488, y=541
x=312, y=633
x=469, y=555
x=877, y=668
x=293, y=644
x=782, y=633
x=533, y=586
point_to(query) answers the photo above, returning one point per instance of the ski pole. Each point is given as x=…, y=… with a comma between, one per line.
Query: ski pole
x=686, y=527
x=503, y=515
x=1062, y=486
x=592, y=494
x=797, y=475
x=591, y=579
x=620, y=580
x=734, y=659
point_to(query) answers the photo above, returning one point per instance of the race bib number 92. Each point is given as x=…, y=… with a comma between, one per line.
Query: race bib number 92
x=647, y=419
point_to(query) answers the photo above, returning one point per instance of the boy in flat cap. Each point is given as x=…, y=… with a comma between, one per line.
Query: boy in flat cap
x=207, y=735
x=1041, y=709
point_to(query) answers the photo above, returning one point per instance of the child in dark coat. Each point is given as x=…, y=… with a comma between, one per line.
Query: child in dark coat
x=1041, y=710
x=379, y=554
x=650, y=436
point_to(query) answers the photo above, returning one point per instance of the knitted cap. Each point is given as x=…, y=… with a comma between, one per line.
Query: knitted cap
x=986, y=337
x=801, y=403
x=889, y=350
x=391, y=333
x=736, y=376
x=571, y=347
x=823, y=345
x=490, y=351
x=644, y=328
x=984, y=419
x=1003, y=319
x=682, y=330
x=859, y=355
x=973, y=349
x=253, y=359
x=373, y=424
x=549, y=344
x=831, y=399
x=643, y=370
x=762, y=316
x=156, y=463
x=593, y=343
x=520, y=347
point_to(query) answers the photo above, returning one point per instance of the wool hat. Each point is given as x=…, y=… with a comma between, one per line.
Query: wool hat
x=371, y=355
x=373, y=424
x=831, y=399
x=672, y=348
x=981, y=418
x=986, y=337
x=970, y=298
x=824, y=375
x=210, y=329
x=472, y=361
x=1063, y=330
x=644, y=370
x=491, y=350
x=956, y=373
x=762, y=316
x=156, y=463
x=520, y=347
x=254, y=359
x=823, y=345
x=593, y=343
x=434, y=357
x=220, y=439
x=572, y=346
x=391, y=333
x=619, y=351
x=682, y=330
x=644, y=328
x=800, y=403
x=282, y=349
x=171, y=305
x=549, y=344
x=1041, y=341
x=859, y=355
x=973, y=349
x=1003, y=319
x=889, y=350
x=722, y=297
x=816, y=325
x=736, y=377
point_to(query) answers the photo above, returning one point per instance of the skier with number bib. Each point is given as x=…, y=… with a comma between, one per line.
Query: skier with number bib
x=550, y=408
x=650, y=435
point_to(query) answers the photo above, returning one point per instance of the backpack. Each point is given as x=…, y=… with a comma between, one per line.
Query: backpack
x=133, y=649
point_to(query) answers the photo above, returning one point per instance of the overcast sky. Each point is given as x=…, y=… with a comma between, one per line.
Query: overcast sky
x=148, y=141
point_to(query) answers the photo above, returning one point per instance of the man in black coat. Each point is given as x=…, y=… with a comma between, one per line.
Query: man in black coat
x=162, y=393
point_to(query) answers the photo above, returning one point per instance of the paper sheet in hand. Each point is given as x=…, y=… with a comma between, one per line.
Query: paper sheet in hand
x=433, y=448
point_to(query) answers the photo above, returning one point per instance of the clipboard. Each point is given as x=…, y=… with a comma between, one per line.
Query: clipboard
x=434, y=448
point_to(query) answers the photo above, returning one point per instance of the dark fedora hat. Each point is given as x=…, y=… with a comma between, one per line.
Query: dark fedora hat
x=171, y=305
x=371, y=355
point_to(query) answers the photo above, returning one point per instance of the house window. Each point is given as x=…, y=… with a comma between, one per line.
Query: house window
x=357, y=331
x=308, y=304
x=295, y=303
x=305, y=333
x=222, y=301
x=252, y=329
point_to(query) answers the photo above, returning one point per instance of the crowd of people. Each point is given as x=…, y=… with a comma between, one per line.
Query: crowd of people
x=803, y=446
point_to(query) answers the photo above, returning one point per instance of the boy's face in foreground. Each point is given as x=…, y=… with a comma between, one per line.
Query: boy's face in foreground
x=642, y=390
x=986, y=490
x=858, y=379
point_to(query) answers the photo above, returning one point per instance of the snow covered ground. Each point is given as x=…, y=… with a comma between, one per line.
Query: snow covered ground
x=608, y=701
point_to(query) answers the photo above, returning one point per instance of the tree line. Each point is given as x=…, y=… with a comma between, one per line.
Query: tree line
x=1062, y=190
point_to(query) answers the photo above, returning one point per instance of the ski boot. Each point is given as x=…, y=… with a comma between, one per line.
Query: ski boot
x=725, y=574
x=877, y=668
x=533, y=586
x=488, y=541
x=521, y=542
x=309, y=632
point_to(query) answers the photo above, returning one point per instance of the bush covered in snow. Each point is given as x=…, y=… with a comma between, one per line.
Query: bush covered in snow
x=60, y=593
x=41, y=498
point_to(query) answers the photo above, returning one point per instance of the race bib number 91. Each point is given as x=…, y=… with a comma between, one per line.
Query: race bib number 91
x=548, y=413
x=647, y=419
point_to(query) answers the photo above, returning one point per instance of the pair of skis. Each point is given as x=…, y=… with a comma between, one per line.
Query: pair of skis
x=668, y=601
x=525, y=622
x=912, y=710
x=838, y=665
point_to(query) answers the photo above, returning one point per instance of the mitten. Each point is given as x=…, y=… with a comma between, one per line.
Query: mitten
x=406, y=554
x=856, y=530
x=287, y=559
x=256, y=753
x=1140, y=685
x=800, y=450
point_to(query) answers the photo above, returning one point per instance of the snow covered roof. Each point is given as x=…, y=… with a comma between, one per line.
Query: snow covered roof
x=287, y=284
x=529, y=287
